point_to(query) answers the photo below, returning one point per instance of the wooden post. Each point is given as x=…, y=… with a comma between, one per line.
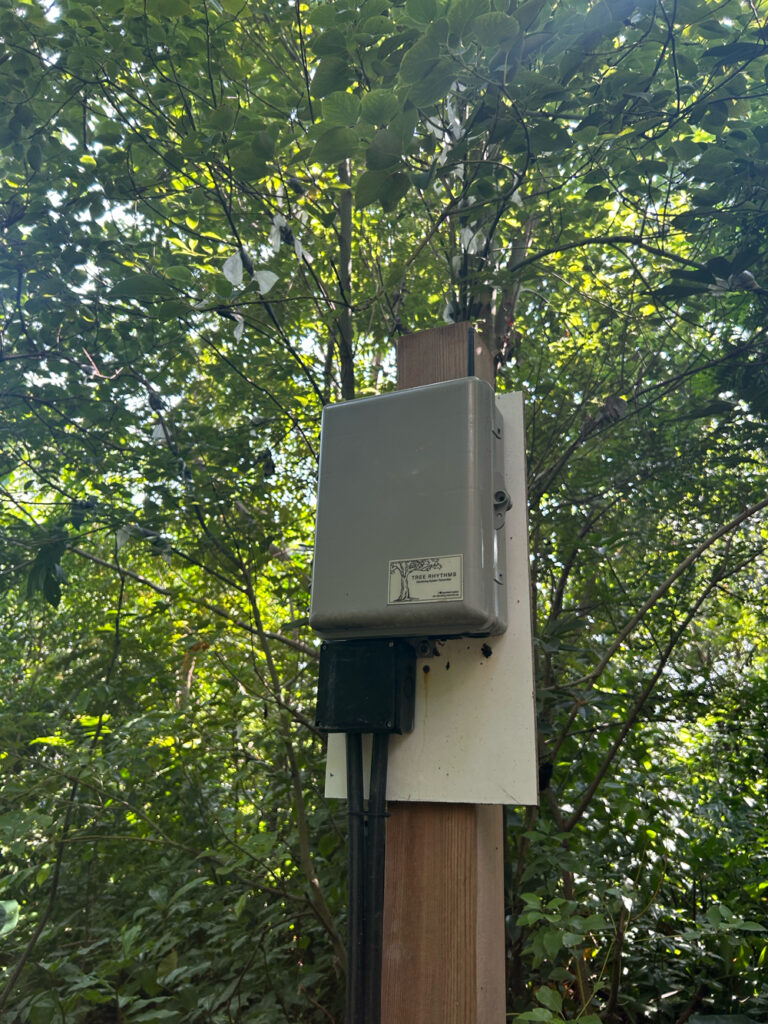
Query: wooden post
x=444, y=878
x=442, y=353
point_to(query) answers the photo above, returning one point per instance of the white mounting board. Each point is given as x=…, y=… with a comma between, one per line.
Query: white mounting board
x=474, y=735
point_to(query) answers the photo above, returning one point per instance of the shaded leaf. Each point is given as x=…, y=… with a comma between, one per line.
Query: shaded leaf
x=423, y=11
x=332, y=75
x=142, y=287
x=381, y=187
x=335, y=145
x=384, y=151
x=422, y=57
x=736, y=53
x=379, y=107
x=550, y=998
x=495, y=29
x=462, y=12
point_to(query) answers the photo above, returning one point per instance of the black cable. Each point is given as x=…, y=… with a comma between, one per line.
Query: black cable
x=384, y=705
x=374, y=887
x=355, y=882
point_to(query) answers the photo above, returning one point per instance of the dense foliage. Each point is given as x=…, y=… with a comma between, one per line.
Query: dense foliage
x=216, y=217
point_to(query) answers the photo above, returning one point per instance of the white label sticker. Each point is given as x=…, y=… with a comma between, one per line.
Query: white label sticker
x=426, y=579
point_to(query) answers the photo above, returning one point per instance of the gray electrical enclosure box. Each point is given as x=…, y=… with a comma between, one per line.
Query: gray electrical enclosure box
x=410, y=514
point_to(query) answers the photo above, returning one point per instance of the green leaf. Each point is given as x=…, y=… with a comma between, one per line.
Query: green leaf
x=529, y=11
x=35, y=156
x=223, y=117
x=142, y=287
x=553, y=943
x=323, y=16
x=44, y=1010
x=379, y=107
x=548, y=137
x=595, y=923
x=531, y=899
x=746, y=926
x=550, y=998
x=736, y=53
x=174, y=158
x=335, y=145
x=377, y=27
x=462, y=12
x=158, y=1013
x=712, y=165
x=168, y=963
x=128, y=938
x=495, y=29
x=250, y=154
x=384, y=151
x=721, y=1018
x=179, y=273
x=422, y=57
x=9, y=916
x=381, y=187
x=332, y=75
x=341, y=108
x=434, y=86
x=712, y=117
x=330, y=43
x=422, y=11
x=168, y=8
x=404, y=124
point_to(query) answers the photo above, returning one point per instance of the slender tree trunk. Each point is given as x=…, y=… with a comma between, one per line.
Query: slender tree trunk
x=344, y=318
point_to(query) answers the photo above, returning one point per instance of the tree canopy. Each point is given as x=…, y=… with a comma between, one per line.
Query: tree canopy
x=217, y=217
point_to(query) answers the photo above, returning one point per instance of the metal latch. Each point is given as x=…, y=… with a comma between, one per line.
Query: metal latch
x=501, y=502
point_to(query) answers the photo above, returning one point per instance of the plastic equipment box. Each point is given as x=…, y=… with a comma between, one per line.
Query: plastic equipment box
x=410, y=509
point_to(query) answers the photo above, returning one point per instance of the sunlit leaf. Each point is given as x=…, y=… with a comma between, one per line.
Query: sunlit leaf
x=9, y=916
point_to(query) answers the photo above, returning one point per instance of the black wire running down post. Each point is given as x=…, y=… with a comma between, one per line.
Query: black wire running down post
x=374, y=888
x=366, y=879
x=356, y=968
x=366, y=687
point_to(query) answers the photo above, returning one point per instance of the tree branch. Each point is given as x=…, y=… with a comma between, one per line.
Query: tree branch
x=591, y=678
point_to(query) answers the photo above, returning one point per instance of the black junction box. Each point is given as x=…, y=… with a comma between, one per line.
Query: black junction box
x=366, y=686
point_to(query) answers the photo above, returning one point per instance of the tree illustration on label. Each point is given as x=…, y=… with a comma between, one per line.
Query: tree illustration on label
x=405, y=567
